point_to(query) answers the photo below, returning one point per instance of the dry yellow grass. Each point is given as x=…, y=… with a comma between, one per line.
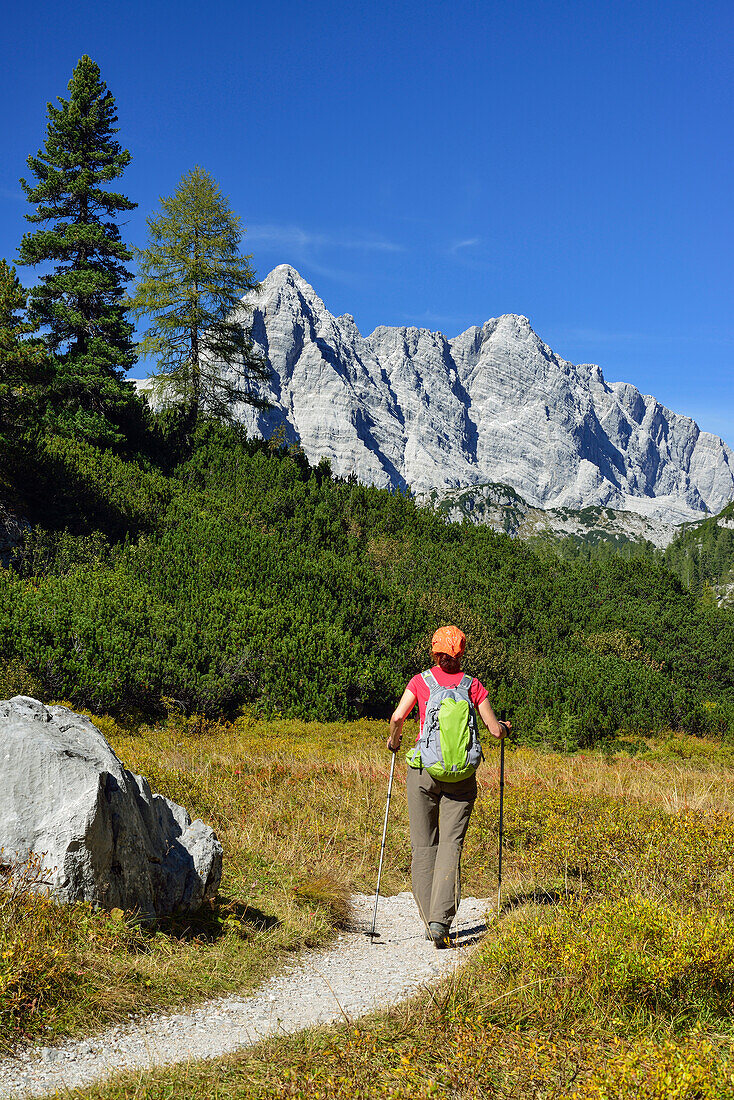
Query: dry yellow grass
x=299, y=807
x=676, y=773
x=620, y=990
x=307, y=796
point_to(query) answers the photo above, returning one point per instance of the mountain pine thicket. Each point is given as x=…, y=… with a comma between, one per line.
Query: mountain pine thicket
x=243, y=577
x=173, y=562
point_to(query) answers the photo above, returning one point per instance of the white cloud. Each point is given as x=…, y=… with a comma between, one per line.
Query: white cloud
x=470, y=242
x=293, y=236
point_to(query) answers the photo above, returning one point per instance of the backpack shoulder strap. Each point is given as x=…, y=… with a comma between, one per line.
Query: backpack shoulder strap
x=466, y=682
x=429, y=679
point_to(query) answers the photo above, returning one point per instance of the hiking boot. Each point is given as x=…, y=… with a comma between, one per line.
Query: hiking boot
x=439, y=933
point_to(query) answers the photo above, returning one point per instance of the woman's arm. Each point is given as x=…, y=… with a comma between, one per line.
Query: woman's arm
x=496, y=728
x=400, y=713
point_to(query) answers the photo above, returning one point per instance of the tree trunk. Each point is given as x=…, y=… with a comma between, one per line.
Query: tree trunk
x=195, y=405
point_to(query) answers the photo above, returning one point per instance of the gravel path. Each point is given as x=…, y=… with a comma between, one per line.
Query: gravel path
x=350, y=978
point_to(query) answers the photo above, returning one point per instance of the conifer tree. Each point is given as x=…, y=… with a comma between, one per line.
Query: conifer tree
x=79, y=305
x=24, y=372
x=191, y=277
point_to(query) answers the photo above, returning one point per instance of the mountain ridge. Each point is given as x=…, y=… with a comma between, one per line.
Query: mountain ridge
x=408, y=407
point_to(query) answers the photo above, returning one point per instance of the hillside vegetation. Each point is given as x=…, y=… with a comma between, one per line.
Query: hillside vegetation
x=702, y=555
x=231, y=574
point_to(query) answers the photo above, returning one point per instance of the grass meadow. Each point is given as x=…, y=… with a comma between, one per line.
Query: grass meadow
x=609, y=974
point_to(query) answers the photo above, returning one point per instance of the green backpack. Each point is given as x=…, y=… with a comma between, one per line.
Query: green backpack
x=448, y=747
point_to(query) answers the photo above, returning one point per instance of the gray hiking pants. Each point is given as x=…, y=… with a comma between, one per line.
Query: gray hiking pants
x=439, y=817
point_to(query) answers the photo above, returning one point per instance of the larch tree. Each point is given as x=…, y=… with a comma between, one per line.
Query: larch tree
x=192, y=276
x=79, y=304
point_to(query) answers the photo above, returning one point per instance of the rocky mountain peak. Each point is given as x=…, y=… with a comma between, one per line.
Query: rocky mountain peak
x=285, y=289
x=409, y=407
x=285, y=274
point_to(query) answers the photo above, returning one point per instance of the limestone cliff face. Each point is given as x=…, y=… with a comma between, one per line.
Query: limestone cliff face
x=408, y=407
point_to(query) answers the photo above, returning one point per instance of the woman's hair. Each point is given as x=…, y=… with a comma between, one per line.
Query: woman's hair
x=448, y=664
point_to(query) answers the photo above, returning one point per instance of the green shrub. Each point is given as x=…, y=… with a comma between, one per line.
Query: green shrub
x=637, y=957
x=43, y=947
x=691, y=1068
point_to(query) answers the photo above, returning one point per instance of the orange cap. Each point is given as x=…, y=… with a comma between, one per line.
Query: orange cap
x=450, y=640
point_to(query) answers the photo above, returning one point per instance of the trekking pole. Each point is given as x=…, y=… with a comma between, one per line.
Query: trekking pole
x=382, y=849
x=503, y=716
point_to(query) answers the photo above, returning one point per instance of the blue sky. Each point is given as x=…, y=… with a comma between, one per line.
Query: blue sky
x=437, y=163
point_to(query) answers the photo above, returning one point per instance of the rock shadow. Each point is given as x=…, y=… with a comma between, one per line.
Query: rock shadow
x=210, y=923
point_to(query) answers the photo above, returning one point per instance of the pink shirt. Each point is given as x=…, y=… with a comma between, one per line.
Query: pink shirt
x=418, y=687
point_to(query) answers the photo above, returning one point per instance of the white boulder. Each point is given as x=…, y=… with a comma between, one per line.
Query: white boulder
x=102, y=834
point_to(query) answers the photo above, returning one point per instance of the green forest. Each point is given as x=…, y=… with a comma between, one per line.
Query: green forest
x=702, y=555
x=160, y=559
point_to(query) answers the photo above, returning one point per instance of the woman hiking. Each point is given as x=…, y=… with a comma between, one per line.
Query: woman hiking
x=442, y=784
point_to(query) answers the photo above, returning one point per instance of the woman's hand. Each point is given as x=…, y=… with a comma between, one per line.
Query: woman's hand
x=496, y=728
